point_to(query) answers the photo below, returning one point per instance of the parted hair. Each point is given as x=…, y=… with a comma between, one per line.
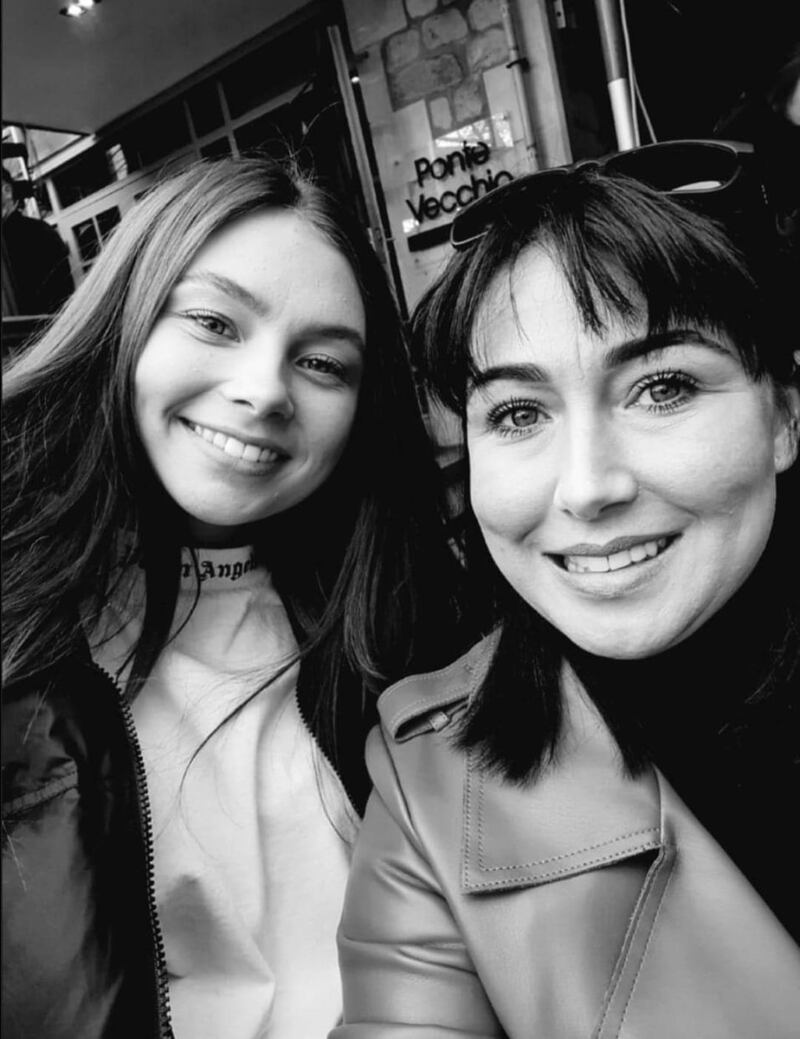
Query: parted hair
x=624, y=250
x=363, y=565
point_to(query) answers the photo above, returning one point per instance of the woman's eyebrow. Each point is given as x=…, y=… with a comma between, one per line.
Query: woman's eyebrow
x=513, y=372
x=644, y=346
x=260, y=307
x=335, y=332
x=230, y=288
x=615, y=356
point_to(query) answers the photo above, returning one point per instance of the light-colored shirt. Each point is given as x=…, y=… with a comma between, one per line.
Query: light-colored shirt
x=252, y=836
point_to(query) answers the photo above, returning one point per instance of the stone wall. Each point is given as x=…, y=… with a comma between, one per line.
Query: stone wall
x=440, y=54
x=434, y=79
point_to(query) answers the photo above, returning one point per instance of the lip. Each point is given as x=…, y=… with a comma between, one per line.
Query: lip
x=607, y=585
x=244, y=467
x=246, y=438
x=621, y=544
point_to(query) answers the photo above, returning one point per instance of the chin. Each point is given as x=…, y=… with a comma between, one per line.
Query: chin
x=622, y=646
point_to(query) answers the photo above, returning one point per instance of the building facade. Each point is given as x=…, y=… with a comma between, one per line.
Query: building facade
x=409, y=108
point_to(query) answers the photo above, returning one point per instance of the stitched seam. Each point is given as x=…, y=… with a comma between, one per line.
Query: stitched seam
x=567, y=869
x=52, y=789
x=467, y=821
x=430, y=677
x=629, y=939
x=645, y=950
x=551, y=858
x=572, y=854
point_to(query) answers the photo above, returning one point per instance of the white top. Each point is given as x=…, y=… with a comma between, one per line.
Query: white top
x=252, y=850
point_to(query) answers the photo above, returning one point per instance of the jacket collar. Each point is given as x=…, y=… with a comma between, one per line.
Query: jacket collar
x=585, y=812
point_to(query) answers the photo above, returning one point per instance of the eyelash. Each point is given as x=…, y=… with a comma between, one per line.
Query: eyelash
x=680, y=379
x=200, y=316
x=325, y=366
x=502, y=411
x=320, y=364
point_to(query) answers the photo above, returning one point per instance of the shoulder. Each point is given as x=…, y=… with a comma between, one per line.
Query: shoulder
x=413, y=748
x=56, y=724
x=427, y=702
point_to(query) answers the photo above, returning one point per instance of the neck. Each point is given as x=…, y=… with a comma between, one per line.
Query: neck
x=711, y=681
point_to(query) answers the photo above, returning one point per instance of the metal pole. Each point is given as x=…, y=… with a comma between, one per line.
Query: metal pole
x=516, y=63
x=617, y=72
x=381, y=239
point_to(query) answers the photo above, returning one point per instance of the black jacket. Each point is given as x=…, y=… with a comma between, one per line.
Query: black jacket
x=82, y=955
x=38, y=263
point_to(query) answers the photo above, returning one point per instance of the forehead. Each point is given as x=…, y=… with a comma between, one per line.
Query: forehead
x=281, y=256
x=529, y=306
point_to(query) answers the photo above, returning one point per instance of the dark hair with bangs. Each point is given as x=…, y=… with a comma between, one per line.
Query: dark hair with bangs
x=622, y=248
x=363, y=566
x=686, y=268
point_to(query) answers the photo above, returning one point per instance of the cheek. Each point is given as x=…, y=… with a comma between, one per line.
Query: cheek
x=724, y=471
x=152, y=377
x=508, y=496
x=329, y=422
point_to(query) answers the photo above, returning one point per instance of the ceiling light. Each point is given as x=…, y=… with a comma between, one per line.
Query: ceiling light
x=76, y=8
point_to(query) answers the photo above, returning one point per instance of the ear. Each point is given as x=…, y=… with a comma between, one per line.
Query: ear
x=787, y=428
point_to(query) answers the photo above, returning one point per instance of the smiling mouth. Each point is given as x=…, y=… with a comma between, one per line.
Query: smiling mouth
x=621, y=560
x=232, y=446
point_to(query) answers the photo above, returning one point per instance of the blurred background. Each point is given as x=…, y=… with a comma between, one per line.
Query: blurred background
x=409, y=108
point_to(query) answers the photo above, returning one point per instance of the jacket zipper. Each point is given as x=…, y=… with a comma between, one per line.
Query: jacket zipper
x=146, y=827
x=304, y=719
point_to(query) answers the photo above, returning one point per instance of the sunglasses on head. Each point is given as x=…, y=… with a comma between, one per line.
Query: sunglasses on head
x=717, y=176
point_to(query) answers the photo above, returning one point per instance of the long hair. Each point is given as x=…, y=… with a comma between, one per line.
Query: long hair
x=618, y=243
x=363, y=566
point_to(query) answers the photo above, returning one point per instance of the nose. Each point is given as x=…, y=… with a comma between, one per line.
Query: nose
x=595, y=472
x=260, y=382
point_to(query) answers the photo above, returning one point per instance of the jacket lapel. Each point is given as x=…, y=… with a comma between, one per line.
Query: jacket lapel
x=582, y=814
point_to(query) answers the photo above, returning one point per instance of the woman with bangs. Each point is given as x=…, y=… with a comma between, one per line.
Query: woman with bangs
x=579, y=828
x=221, y=540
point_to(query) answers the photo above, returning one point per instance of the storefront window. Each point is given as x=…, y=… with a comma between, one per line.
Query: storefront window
x=222, y=146
x=87, y=240
x=89, y=173
x=205, y=108
x=444, y=114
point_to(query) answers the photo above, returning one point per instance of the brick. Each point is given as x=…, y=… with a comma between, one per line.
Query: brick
x=487, y=50
x=402, y=49
x=467, y=101
x=441, y=29
x=419, y=8
x=441, y=115
x=424, y=77
x=483, y=13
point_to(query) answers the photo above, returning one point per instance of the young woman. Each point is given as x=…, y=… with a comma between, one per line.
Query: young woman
x=221, y=538
x=580, y=827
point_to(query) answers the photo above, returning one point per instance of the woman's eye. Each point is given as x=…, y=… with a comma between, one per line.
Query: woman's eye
x=324, y=365
x=210, y=322
x=515, y=417
x=664, y=392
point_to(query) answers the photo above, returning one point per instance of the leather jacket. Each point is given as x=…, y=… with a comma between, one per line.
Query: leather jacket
x=82, y=954
x=587, y=903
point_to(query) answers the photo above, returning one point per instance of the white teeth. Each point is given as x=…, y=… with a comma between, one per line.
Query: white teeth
x=237, y=449
x=620, y=559
x=617, y=561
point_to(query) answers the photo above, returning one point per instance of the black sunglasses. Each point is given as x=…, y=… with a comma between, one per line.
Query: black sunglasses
x=718, y=176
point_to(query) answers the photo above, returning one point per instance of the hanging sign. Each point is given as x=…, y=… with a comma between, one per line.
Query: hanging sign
x=463, y=160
